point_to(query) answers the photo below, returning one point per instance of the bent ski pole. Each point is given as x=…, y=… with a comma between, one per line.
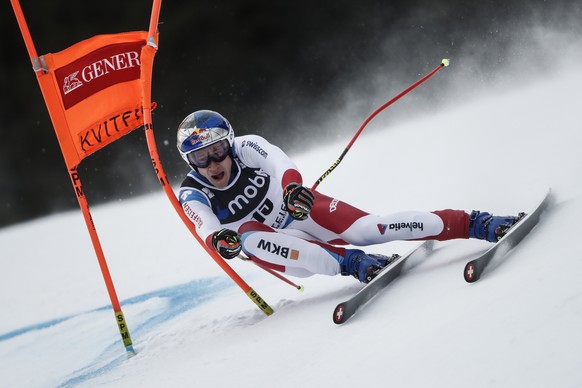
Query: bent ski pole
x=444, y=63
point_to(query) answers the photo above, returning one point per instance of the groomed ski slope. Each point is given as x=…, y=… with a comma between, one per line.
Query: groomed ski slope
x=519, y=326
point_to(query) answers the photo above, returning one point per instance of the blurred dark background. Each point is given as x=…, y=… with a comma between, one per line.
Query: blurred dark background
x=280, y=69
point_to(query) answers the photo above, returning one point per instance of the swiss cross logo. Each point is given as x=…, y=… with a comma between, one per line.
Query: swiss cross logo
x=470, y=271
x=339, y=313
x=100, y=69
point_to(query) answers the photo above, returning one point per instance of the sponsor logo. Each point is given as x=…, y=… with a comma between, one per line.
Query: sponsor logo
x=186, y=194
x=195, y=218
x=98, y=70
x=76, y=182
x=400, y=225
x=284, y=252
x=263, y=211
x=71, y=82
x=333, y=205
x=249, y=192
x=256, y=147
x=281, y=217
x=406, y=225
x=199, y=136
x=208, y=192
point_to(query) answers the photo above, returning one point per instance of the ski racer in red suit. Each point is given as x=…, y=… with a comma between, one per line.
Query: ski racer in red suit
x=245, y=193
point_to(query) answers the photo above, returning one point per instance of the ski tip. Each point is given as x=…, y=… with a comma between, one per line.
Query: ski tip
x=338, y=314
x=470, y=272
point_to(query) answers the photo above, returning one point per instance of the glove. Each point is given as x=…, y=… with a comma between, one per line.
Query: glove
x=227, y=243
x=298, y=200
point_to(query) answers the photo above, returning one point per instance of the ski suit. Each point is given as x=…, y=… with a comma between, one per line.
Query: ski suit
x=252, y=204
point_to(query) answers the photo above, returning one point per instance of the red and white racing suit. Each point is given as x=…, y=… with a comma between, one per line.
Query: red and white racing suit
x=252, y=204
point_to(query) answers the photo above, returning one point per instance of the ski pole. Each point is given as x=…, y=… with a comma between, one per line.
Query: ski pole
x=299, y=287
x=272, y=272
x=444, y=63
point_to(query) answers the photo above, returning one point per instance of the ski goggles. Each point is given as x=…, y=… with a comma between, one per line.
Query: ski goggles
x=202, y=157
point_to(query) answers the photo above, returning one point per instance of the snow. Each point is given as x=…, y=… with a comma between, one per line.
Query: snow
x=520, y=325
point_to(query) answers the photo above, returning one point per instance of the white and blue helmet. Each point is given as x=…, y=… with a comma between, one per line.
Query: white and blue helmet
x=202, y=129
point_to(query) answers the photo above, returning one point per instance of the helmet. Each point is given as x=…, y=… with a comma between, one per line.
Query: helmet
x=201, y=129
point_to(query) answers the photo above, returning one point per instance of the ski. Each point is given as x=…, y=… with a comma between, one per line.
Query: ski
x=347, y=309
x=474, y=268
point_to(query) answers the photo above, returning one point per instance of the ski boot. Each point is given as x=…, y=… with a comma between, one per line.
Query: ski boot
x=362, y=266
x=485, y=226
x=383, y=259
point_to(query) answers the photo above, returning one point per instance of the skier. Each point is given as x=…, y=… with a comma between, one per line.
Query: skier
x=246, y=194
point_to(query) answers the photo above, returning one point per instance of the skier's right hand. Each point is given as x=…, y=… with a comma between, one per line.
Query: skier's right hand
x=298, y=200
x=227, y=243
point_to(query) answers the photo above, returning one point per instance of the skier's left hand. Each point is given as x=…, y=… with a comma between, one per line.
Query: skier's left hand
x=298, y=200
